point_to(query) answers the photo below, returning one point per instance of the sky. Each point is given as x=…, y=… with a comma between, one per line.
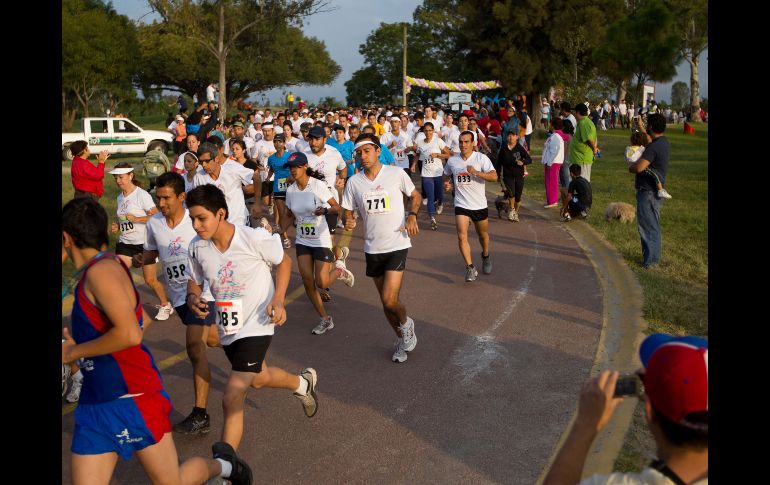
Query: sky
x=347, y=27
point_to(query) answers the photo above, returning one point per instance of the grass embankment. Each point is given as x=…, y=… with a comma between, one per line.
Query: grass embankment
x=676, y=293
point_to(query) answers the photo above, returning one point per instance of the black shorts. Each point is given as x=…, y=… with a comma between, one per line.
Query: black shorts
x=248, y=350
x=188, y=317
x=131, y=250
x=378, y=264
x=516, y=184
x=475, y=215
x=279, y=195
x=267, y=188
x=324, y=255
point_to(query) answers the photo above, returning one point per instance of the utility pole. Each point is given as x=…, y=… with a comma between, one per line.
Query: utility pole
x=404, y=80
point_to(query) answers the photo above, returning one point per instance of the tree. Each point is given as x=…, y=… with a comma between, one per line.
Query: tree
x=99, y=54
x=691, y=22
x=365, y=87
x=643, y=45
x=680, y=95
x=218, y=24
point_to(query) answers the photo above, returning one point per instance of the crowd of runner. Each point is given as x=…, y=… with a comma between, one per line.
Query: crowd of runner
x=223, y=222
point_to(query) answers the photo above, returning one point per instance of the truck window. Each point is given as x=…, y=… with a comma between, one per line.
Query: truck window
x=124, y=126
x=99, y=126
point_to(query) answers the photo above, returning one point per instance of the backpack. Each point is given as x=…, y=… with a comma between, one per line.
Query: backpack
x=155, y=163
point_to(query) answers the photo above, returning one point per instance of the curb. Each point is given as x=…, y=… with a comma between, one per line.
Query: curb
x=621, y=335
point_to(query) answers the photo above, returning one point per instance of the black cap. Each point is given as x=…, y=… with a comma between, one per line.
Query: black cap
x=337, y=126
x=279, y=137
x=317, y=132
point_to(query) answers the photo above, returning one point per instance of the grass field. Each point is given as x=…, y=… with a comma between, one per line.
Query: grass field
x=675, y=294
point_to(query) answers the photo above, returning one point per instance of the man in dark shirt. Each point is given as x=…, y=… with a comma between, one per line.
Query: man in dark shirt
x=655, y=157
x=579, y=198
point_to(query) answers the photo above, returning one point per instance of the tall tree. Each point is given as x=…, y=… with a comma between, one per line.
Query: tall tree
x=680, y=95
x=99, y=53
x=643, y=44
x=691, y=22
x=218, y=24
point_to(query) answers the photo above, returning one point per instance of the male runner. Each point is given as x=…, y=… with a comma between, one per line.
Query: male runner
x=375, y=193
x=468, y=171
x=168, y=237
x=236, y=262
x=123, y=408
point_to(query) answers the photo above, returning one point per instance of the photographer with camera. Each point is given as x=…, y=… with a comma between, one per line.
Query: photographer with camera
x=675, y=379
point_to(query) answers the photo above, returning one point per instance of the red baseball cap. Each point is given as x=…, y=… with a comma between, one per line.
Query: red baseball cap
x=676, y=375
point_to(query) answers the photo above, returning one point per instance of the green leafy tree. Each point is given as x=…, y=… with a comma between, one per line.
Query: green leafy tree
x=99, y=57
x=365, y=87
x=691, y=23
x=217, y=25
x=680, y=95
x=643, y=45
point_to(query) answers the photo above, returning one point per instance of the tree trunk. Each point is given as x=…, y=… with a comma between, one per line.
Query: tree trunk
x=68, y=114
x=694, y=83
x=622, y=91
x=222, y=58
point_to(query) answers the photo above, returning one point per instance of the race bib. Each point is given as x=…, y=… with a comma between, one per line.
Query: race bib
x=376, y=202
x=463, y=178
x=229, y=316
x=433, y=160
x=177, y=270
x=126, y=227
x=308, y=229
x=282, y=185
x=400, y=156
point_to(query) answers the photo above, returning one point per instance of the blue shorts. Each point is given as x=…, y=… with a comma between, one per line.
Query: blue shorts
x=123, y=426
x=189, y=318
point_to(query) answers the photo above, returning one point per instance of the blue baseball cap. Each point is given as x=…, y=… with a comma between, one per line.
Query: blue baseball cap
x=296, y=159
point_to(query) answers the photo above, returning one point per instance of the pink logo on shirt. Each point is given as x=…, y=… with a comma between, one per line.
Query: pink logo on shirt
x=175, y=246
x=225, y=274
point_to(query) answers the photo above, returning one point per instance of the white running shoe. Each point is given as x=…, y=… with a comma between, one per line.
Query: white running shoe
x=309, y=400
x=345, y=253
x=439, y=208
x=345, y=275
x=77, y=384
x=663, y=194
x=400, y=353
x=511, y=215
x=340, y=224
x=325, y=324
x=164, y=311
x=408, y=335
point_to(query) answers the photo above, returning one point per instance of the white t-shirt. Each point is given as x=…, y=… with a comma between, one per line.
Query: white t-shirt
x=469, y=189
x=188, y=186
x=328, y=164
x=403, y=141
x=448, y=131
x=240, y=280
x=648, y=476
x=312, y=230
x=623, y=109
x=301, y=146
x=137, y=204
x=572, y=120
x=528, y=129
x=260, y=153
x=381, y=206
x=295, y=125
x=172, y=245
x=232, y=176
x=291, y=145
x=210, y=93
x=431, y=166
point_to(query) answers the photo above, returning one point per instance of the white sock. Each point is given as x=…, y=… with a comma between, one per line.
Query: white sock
x=77, y=376
x=227, y=468
x=302, y=389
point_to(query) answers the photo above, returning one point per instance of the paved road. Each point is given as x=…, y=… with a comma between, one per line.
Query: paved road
x=484, y=397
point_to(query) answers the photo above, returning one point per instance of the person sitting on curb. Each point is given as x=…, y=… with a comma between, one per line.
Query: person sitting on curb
x=675, y=379
x=579, y=198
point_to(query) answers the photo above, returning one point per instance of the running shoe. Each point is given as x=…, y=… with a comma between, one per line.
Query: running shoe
x=663, y=194
x=400, y=353
x=65, y=374
x=439, y=208
x=345, y=253
x=424, y=201
x=309, y=400
x=470, y=273
x=340, y=224
x=77, y=384
x=346, y=276
x=286, y=243
x=433, y=223
x=241, y=474
x=584, y=214
x=408, y=335
x=325, y=324
x=515, y=217
x=486, y=265
x=164, y=311
x=566, y=218
x=549, y=206
x=194, y=424
x=511, y=215
x=325, y=295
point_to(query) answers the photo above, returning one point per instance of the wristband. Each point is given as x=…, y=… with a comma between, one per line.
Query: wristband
x=411, y=213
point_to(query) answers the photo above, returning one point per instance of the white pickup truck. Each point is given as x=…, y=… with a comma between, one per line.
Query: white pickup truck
x=116, y=135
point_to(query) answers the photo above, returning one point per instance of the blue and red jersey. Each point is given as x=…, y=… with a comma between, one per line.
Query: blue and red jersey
x=109, y=377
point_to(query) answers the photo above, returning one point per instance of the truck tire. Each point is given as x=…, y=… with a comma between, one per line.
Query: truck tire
x=158, y=144
x=66, y=153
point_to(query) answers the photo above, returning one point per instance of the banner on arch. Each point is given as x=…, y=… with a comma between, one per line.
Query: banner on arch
x=449, y=86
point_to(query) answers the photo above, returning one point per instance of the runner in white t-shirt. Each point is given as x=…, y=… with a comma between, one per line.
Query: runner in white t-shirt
x=454, y=137
x=468, y=172
x=398, y=142
x=320, y=263
x=135, y=206
x=376, y=193
x=229, y=179
x=168, y=237
x=433, y=152
x=236, y=261
x=193, y=143
x=262, y=151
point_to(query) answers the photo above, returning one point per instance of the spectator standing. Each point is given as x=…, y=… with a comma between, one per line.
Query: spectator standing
x=552, y=159
x=87, y=180
x=583, y=147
